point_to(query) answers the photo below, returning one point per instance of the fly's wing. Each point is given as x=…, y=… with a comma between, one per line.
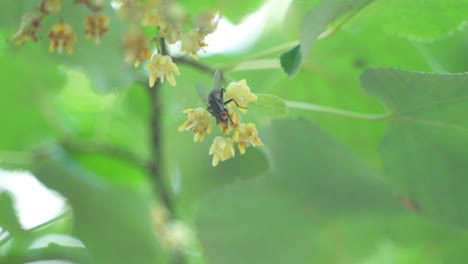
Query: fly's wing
x=216, y=83
x=202, y=92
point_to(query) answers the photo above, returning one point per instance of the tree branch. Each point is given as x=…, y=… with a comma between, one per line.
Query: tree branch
x=160, y=185
x=197, y=65
x=75, y=144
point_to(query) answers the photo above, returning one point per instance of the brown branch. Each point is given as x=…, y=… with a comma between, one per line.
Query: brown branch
x=197, y=65
x=87, y=146
x=161, y=187
x=90, y=5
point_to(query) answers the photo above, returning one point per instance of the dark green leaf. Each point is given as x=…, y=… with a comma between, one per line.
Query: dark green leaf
x=8, y=218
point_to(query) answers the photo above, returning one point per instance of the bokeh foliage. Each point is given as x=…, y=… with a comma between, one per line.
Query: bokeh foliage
x=326, y=188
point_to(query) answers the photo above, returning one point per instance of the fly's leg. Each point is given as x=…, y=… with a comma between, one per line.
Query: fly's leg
x=230, y=100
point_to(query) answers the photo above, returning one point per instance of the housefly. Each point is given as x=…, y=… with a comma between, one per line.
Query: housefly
x=214, y=100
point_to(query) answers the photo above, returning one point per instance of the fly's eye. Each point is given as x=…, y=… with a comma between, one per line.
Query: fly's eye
x=224, y=114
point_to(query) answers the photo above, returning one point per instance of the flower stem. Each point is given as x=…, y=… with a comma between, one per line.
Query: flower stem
x=337, y=111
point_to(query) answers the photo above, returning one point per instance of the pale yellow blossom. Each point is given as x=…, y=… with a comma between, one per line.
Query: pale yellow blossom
x=198, y=121
x=162, y=66
x=192, y=42
x=221, y=149
x=246, y=135
x=240, y=92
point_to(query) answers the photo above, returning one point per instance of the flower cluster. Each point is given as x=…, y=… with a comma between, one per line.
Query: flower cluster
x=168, y=17
x=61, y=35
x=238, y=96
x=171, y=17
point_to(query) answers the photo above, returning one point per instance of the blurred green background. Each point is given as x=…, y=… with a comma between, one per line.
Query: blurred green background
x=376, y=174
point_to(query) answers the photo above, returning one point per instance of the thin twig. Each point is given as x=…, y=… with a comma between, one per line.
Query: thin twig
x=91, y=6
x=335, y=28
x=75, y=144
x=197, y=65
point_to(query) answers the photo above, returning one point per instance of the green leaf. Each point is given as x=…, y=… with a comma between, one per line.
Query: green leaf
x=275, y=218
x=8, y=218
x=291, y=61
x=112, y=220
x=424, y=149
x=315, y=23
x=269, y=105
x=29, y=81
x=425, y=20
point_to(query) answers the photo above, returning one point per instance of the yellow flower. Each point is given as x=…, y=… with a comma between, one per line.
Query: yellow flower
x=192, y=42
x=245, y=136
x=96, y=26
x=162, y=66
x=221, y=149
x=240, y=92
x=198, y=122
x=29, y=26
x=136, y=47
x=61, y=36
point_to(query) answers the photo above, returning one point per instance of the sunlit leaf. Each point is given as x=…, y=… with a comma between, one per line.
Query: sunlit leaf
x=314, y=23
x=418, y=20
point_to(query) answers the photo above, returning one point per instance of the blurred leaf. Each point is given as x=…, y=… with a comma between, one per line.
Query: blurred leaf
x=104, y=62
x=314, y=23
x=273, y=219
x=446, y=55
x=8, y=218
x=416, y=20
x=28, y=82
x=424, y=149
x=269, y=105
x=113, y=221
